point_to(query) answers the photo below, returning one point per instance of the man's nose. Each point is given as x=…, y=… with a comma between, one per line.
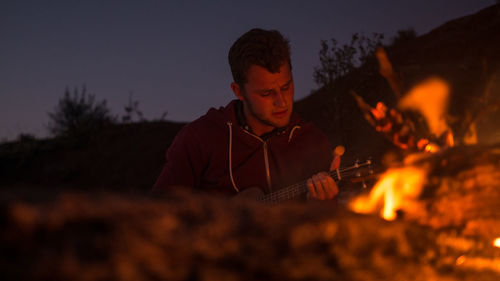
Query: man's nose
x=279, y=99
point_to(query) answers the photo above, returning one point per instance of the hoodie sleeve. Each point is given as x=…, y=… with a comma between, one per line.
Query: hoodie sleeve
x=184, y=162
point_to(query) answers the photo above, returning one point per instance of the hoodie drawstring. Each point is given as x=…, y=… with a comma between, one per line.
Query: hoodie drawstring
x=291, y=132
x=229, y=124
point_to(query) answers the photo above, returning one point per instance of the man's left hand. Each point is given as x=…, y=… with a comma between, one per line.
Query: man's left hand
x=322, y=186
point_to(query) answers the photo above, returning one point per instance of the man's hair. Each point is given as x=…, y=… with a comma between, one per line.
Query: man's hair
x=266, y=48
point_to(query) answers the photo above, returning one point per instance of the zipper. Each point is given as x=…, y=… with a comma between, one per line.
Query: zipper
x=266, y=159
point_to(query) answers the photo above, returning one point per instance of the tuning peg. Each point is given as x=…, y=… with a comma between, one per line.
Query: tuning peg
x=369, y=161
x=370, y=165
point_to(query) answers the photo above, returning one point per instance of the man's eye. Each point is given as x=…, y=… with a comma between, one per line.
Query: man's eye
x=286, y=88
x=265, y=94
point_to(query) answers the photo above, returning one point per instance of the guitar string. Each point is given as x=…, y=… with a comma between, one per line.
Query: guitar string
x=297, y=188
x=285, y=193
x=293, y=190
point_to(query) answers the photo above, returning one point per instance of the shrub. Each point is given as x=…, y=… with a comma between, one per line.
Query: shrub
x=24, y=137
x=134, y=114
x=131, y=110
x=79, y=114
x=337, y=61
x=403, y=36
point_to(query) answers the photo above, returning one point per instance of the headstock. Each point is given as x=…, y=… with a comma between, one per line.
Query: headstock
x=358, y=172
x=364, y=171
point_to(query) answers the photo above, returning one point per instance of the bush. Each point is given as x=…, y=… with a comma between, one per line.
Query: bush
x=79, y=114
x=337, y=61
x=131, y=110
x=24, y=137
x=403, y=36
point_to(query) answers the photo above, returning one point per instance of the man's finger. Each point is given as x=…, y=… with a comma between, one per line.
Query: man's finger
x=310, y=187
x=328, y=185
x=318, y=186
x=332, y=188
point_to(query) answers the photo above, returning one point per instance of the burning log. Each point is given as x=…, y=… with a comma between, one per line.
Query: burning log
x=463, y=189
x=419, y=123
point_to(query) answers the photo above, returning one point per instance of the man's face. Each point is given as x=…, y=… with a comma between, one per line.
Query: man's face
x=267, y=98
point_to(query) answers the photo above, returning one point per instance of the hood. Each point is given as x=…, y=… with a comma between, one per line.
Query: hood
x=226, y=114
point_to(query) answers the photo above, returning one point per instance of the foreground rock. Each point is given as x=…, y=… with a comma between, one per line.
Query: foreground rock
x=191, y=237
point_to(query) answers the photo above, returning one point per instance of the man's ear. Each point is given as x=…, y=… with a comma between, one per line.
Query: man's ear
x=238, y=92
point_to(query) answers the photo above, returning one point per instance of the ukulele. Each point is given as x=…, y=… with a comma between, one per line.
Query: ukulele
x=356, y=171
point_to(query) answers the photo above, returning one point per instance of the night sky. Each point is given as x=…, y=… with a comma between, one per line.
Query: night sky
x=171, y=55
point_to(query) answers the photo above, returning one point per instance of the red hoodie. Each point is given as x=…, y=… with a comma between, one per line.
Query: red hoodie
x=216, y=154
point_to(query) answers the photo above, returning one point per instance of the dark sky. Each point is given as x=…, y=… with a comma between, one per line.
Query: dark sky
x=171, y=55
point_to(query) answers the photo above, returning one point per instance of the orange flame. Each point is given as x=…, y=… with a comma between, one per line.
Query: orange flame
x=396, y=190
x=431, y=148
x=470, y=137
x=496, y=242
x=430, y=98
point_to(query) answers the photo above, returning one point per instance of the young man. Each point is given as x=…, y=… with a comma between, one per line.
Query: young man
x=256, y=140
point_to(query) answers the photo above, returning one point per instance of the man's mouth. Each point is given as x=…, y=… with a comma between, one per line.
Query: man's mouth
x=280, y=114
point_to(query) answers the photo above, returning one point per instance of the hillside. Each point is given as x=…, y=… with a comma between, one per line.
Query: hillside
x=124, y=157
x=464, y=52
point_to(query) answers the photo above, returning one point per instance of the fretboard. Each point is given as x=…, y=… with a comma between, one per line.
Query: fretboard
x=300, y=188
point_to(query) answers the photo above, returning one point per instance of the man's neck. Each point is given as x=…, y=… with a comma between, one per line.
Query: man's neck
x=243, y=116
x=257, y=127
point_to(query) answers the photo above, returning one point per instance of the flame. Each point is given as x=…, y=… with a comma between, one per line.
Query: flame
x=396, y=190
x=431, y=148
x=470, y=137
x=430, y=98
x=479, y=263
x=450, y=141
x=460, y=260
x=496, y=242
x=387, y=71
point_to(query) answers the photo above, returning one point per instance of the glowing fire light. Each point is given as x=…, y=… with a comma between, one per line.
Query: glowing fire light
x=496, y=243
x=460, y=260
x=431, y=148
x=431, y=99
x=396, y=190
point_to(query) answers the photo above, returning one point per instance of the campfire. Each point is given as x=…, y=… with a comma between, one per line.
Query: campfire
x=453, y=190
